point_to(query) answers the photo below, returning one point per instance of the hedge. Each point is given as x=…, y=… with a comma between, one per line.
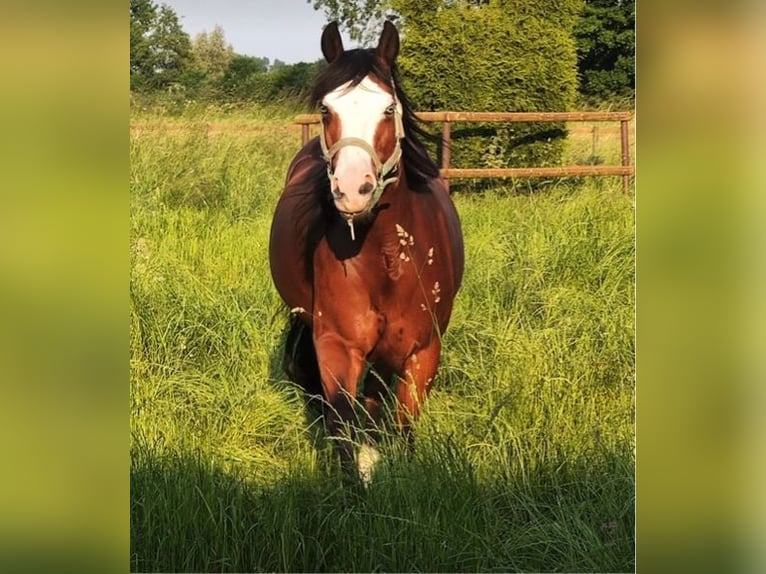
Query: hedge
x=493, y=56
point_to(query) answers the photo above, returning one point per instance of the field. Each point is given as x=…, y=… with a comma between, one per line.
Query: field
x=524, y=456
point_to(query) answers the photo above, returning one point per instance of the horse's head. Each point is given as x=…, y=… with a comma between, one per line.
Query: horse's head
x=361, y=120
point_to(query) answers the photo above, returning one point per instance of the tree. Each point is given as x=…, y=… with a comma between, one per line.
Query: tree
x=212, y=54
x=242, y=67
x=172, y=49
x=160, y=51
x=142, y=16
x=243, y=76
x=362, y=19
x=294, y=80
x=606, y=47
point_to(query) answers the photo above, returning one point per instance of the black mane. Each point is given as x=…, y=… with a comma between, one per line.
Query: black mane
x=353, y=66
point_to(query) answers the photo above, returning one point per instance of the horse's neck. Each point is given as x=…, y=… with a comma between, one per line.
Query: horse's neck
x=400, y=199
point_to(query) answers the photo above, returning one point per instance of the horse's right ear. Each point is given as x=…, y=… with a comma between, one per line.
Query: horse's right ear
x=332, y=44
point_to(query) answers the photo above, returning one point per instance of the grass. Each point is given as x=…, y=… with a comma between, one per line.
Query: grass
x=524, y=458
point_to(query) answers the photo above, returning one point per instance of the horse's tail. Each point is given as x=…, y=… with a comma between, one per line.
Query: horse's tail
x=300, y=361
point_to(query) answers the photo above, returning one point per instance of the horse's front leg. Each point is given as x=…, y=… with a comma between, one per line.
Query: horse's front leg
x=341, y=365
x=415, y=382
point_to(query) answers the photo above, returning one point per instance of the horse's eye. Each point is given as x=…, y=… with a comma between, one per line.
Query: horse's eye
x=323, y=109
x=390, y=110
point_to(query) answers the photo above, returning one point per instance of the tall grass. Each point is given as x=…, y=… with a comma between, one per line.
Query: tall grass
x=524, y=454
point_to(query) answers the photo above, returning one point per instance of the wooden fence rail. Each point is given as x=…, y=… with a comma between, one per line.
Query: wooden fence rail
x=626, y=169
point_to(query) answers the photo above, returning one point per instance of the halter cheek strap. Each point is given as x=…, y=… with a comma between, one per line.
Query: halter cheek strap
x=383, y=169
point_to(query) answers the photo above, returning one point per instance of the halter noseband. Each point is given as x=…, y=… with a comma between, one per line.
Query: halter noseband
x=383, y=169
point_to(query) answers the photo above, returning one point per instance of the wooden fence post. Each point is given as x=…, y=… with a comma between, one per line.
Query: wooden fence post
x=305, y=133
x=446, y=149
x=625, y=142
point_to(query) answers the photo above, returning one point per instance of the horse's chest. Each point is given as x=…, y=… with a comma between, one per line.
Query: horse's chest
x=386, y=294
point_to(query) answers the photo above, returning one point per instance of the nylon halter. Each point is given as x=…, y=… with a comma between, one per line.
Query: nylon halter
x=383, y=169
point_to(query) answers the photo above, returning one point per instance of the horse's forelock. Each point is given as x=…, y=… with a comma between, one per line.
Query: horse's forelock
x=352, y=66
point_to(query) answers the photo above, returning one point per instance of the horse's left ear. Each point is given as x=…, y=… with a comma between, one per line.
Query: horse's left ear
x=388, y=45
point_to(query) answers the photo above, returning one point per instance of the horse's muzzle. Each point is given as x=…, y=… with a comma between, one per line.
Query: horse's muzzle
x=353, y=194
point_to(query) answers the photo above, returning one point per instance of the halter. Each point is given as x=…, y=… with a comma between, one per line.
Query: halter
x=383, y=169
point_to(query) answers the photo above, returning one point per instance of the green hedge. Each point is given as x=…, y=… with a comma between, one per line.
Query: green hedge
x=493, y=56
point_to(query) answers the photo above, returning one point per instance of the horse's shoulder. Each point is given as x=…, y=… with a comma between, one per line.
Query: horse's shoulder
x=308, y=159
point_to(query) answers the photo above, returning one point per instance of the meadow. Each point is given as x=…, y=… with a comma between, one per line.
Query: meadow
x=524, y=457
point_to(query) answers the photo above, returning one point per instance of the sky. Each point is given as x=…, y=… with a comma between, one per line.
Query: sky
x=288, y=30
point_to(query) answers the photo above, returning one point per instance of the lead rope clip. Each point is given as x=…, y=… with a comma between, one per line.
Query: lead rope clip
x=350, y=221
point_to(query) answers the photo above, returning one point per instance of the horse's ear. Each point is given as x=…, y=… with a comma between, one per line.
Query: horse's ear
x=332, y=44
x=388, y=45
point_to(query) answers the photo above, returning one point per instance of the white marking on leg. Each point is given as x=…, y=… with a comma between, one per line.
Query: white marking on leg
x=366, y=460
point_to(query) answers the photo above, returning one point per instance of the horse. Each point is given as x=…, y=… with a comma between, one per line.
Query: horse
x=366, y=249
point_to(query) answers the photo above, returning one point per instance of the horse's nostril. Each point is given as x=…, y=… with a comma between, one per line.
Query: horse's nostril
x=368, y=185
x=365, y=188
x=335, y=188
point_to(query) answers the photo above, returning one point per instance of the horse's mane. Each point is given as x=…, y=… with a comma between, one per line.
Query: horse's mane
x=353, y=66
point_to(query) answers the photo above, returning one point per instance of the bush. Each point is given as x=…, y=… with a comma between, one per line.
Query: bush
x=495, y=56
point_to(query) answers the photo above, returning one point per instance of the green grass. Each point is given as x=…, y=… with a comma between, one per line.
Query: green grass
x=524, y=457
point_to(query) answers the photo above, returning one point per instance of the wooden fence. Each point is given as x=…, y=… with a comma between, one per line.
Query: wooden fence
x=626, y=169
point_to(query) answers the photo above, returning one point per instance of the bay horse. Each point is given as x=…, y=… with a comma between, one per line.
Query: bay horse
x=365, y=248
